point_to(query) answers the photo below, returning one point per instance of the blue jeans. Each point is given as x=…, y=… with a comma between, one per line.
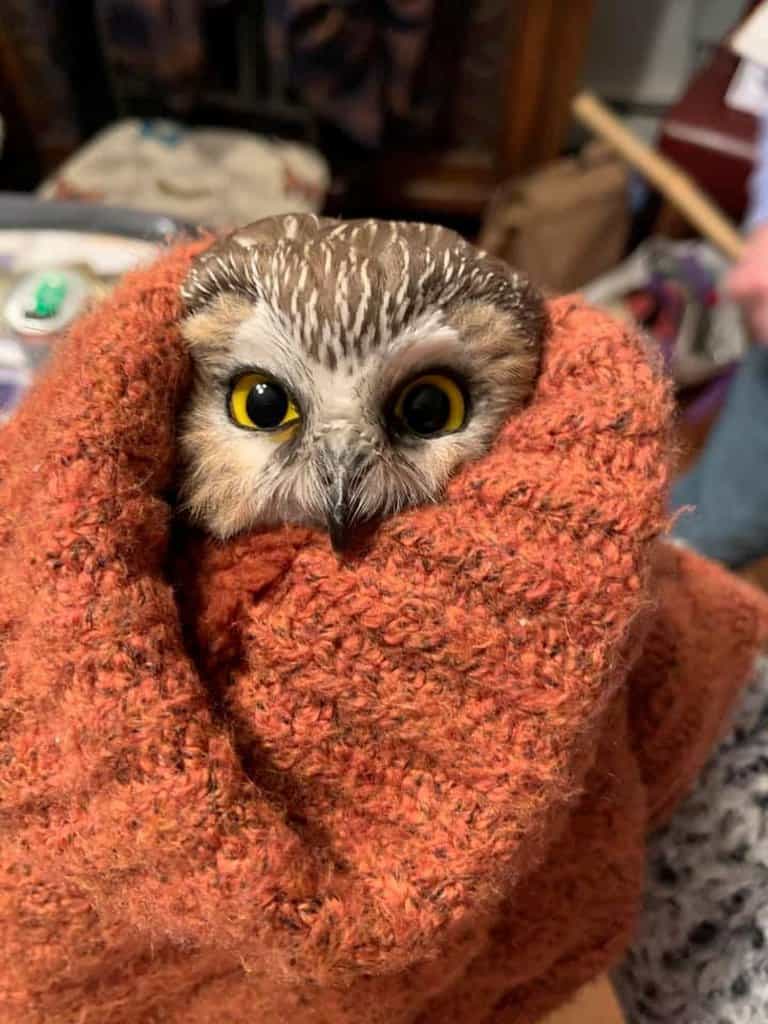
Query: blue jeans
x=729, y=483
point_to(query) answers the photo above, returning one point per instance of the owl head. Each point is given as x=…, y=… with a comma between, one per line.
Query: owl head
x=344, y=370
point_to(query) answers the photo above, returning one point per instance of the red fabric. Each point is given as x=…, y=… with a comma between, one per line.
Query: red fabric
x=709, y=139
x=249, y=782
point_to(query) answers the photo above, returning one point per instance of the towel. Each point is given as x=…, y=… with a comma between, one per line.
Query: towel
x=248, y=781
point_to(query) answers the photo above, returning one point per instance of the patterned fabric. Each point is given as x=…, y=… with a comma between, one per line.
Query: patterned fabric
x=701, y=956
x=218, y=177
x=352, y=62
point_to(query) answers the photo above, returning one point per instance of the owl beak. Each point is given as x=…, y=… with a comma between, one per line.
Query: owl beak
x=338, y=527
x=343, y=468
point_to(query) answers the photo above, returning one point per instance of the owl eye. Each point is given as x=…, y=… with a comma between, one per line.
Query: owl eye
x=256, y=402
x=431, y=405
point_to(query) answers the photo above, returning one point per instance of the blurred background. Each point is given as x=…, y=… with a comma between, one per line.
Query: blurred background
x=420, y=107
x=127, y=121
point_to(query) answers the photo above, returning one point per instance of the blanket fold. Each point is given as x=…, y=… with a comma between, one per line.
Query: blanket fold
x=251, y=781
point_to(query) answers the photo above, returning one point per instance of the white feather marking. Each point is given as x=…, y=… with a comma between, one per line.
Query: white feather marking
x=363, y=299
x=342, y=280
x=327, y=334
x=302, y=277
x=403, y=286
x=296, y=291
x=310, y=317
x=429, y=266
x=383, y=314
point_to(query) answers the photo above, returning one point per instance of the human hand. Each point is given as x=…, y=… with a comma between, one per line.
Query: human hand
x=747, y=283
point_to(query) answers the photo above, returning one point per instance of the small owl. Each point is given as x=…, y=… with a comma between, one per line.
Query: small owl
x=344, y=371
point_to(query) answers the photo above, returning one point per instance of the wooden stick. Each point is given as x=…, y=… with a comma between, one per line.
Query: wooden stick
x=678, y=187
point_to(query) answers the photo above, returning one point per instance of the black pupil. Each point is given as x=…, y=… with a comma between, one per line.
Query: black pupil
x=426, y=409
x=266, y=405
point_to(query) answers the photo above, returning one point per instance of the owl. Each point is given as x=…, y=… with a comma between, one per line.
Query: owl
x=343, y=371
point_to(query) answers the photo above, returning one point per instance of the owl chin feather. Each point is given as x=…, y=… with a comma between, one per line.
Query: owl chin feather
x=341, y=318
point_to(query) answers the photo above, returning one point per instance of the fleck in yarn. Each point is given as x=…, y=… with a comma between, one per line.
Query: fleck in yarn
x=246, y=782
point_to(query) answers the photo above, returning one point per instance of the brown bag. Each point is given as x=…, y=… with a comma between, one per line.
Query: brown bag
x=564, y=224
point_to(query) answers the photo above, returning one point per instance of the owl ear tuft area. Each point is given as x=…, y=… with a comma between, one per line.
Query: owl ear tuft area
x=511, y=291
x=213, y=326
x=226, y=267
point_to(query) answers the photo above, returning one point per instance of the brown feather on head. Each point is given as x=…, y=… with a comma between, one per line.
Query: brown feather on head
x=344, y=370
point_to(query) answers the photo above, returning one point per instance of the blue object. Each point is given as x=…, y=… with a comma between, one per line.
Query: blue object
x=169, y=133
x=729, y=483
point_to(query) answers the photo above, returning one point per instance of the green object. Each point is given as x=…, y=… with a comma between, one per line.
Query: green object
x=49, y=296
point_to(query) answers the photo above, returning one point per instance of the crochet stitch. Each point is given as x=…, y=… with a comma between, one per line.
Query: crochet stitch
x=250, y=782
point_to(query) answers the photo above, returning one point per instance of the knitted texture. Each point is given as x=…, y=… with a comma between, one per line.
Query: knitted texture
x=248, y=781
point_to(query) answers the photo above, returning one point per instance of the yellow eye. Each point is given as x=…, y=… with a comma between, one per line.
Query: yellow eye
x=258, y=402
x=431, y=405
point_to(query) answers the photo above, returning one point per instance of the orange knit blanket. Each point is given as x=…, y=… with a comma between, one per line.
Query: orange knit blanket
x=249, y=782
